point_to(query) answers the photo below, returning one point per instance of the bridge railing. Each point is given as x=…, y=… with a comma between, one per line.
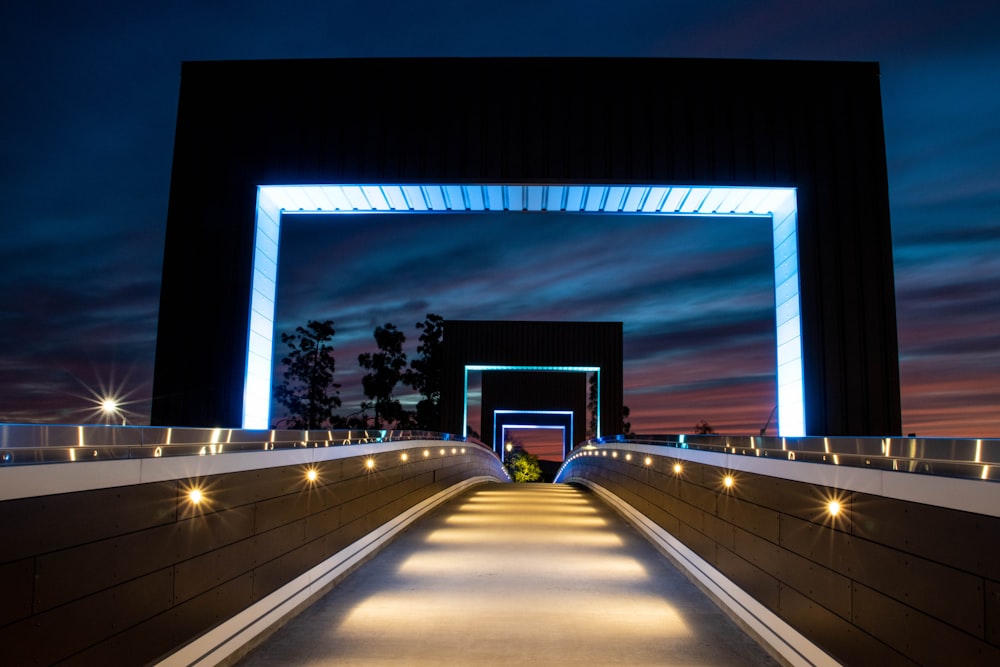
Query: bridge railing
x=31, y=444
x=967, y=458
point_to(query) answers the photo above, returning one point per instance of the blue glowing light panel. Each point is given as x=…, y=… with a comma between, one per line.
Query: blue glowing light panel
x=775, y=204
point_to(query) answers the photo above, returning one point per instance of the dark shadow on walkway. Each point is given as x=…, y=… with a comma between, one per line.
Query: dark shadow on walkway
x=511, y=574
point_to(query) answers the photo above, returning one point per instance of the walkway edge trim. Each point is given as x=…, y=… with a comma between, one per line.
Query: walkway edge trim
x=791, y=645
x=227, y=639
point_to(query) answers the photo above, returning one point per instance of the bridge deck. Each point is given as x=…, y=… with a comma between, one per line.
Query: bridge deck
x=514, y=574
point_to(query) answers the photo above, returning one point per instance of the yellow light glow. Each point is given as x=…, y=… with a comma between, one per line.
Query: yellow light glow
x=442, y=451
x=311, y=474
x=833, y=507
x=628, y=457
x=454, y=450
x=369, y=463
x=614, y=455
x=427, y=453
x=195, y=496
x=463, y=450
x=678, y=468
x=403, y=456
x=728, y=481
x=648, y=461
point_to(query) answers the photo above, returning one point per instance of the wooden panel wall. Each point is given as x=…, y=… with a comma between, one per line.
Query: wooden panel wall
x=126, y=575
x=888, y=582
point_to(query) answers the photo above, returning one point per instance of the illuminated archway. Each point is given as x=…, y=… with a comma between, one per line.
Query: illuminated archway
x=778, y=206
x=507, y=420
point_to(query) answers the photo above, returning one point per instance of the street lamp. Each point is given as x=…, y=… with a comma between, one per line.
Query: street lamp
x=111, y=409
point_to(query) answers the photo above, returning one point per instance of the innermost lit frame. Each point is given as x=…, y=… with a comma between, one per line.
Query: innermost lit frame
x=779, y=205
x=534, y=419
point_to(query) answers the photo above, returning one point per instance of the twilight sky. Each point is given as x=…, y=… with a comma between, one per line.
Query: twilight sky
x=86, y=136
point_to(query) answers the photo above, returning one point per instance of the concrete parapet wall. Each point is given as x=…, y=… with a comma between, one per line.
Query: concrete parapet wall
x=887, y=581
x=130, y=573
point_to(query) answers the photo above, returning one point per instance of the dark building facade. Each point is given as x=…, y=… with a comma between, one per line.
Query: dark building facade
x=532, y=366
x=535, y=398
x=815, y=127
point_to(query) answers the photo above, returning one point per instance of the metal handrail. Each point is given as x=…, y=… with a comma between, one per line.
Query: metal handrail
x=31, y=444
x=969, y=458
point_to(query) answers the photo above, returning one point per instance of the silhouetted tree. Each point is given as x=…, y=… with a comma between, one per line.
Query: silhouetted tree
x=626, y=424
x=307, y=391
x=703, y=428
x=424, y=374
x=386, y=368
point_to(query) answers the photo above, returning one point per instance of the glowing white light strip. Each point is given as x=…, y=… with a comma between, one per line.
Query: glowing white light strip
x=566, y=414
x=777, y=204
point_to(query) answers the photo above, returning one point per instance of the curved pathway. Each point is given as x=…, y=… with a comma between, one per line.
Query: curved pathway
x=512, y=574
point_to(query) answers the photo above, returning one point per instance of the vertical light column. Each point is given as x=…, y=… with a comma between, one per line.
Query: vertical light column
x=257, y=386
x=788, y=323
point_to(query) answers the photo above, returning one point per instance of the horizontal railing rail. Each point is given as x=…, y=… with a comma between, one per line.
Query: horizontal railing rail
x=31, y=444
x=969, y=458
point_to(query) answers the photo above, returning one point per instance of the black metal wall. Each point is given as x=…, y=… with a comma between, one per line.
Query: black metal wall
x=126, y=575
x=816, y=126
x=532, y=344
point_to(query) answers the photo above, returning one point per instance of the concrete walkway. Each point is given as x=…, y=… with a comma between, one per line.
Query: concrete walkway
x=514, y=574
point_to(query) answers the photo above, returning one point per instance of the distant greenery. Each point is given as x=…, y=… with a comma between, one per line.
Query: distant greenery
x=522, y=466
x=703, y=428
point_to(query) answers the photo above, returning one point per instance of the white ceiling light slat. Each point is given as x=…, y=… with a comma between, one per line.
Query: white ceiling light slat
x=535, y=197
x=474, y=193
x=495, y=197
x=713, y=199
x=613, y=201
x=751, y=204
x=674, y=198
x=555, y=198
x=654, y=199
x=634, y=198
x=324, y=199
x=373, y=194
x=335, y=199
x=693, y=201
x=455, y=197
x=515, y=198
x=314, y=198
x=394, y=195
x=595, y=195
x=772, y=201
x=574, y=198
x=356, y=197
x=415, y=196
x=734, y=196
x=435, y=197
